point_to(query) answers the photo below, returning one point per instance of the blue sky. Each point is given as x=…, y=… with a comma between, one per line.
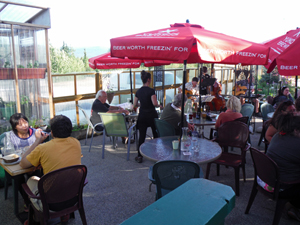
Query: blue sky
x=93, y=22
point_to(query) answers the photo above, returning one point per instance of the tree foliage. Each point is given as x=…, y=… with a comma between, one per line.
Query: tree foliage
x=269, y=83
x=63, y=60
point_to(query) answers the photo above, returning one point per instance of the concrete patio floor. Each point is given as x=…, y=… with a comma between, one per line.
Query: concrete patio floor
x=118, y=189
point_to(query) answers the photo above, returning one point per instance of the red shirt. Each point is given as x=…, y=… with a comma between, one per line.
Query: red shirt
x=226, y=116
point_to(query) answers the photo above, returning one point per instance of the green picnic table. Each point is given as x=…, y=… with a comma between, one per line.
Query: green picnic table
x=198, y=201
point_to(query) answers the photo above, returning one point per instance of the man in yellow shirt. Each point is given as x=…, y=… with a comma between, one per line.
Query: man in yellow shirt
x=62, y=151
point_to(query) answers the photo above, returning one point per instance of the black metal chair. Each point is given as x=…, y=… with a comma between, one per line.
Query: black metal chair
x=267, y=170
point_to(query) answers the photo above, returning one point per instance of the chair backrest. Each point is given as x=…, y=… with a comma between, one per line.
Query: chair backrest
x=265, y=168
x=62, y=189
x=247, y=110
x=243, y=119
x=86, y=116
x=233, y=134
x=114, y=124
x=170, y=174
x=265, y=109
x=164, y=128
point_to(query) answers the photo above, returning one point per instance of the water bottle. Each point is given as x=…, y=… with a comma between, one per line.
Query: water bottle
x=8, y=146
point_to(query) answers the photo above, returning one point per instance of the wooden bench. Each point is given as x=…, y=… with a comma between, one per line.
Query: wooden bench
x=198, y=201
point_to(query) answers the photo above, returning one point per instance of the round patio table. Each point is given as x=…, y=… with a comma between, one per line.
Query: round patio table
x=203, y=122
x=159, y=149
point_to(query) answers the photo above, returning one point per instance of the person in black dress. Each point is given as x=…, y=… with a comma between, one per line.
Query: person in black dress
x=148, y=102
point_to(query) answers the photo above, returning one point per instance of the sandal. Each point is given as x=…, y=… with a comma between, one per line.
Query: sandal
x=139, y=159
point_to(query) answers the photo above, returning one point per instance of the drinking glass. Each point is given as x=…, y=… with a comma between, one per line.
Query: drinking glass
x=194, y=141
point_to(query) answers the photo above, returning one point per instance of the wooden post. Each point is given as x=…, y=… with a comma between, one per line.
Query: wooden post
x=16, y=70
x=50, y=83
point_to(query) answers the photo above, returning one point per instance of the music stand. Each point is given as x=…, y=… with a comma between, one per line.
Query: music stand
x=208, y=82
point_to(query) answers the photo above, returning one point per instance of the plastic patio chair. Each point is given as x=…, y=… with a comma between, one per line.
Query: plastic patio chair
x=90, y=124
x=267, y=170
x=248, y=110
x=164, y=128
x=265, y=109
x=243, y=119
x=232, y=134
x=170, y=174
x=115, y=126
x=60, y=193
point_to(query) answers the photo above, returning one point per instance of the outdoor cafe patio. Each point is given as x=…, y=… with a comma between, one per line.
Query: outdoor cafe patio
x=118, y=189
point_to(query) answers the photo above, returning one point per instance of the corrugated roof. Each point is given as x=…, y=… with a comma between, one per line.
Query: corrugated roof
x=16, y=12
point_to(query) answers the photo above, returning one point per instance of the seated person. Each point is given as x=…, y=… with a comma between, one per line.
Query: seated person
x=100, y=105
x=283, y=108
x=21, y=134
x=192, y=87
x=172, y=114
x=233, y=111
x=62, y=151
x=297, y=105
x=284, y=150
x=283, y=95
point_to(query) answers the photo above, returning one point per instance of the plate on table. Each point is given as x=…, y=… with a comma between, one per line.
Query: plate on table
x=13, y=163
x=212, y=115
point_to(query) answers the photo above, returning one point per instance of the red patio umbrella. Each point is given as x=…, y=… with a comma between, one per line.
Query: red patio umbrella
x=184, y=41
x=105, y=61
x=190, y=43
x=285, y=53
x=286, y=46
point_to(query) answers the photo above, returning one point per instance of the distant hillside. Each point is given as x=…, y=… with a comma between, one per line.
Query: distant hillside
x=90, y=51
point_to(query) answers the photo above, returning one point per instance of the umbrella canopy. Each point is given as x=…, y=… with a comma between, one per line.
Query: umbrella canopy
x=288, y=63
x=285, y=52
x=191, y=42
x=105, y=61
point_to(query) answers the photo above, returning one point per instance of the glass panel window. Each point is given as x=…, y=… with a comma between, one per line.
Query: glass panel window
x=179, y=76
x=125, y=81
x=169, y=77
x=169, y=96
x=63, y=86
x=85, y=84
x=138, y=81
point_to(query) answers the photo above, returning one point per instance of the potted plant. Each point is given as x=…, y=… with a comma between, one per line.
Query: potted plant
x=31, y=72
x=7, y=109
x=110, y=93
x=79, y=131
x=26, y=105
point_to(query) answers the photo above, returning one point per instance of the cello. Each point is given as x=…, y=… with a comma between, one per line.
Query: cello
x=218, y=103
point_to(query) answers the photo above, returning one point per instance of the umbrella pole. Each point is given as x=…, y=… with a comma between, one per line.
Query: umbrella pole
x=183, y=97
x=200, y=101
x=296, y=85
x=256, y=80
x=235, y=87
x=131, y=87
